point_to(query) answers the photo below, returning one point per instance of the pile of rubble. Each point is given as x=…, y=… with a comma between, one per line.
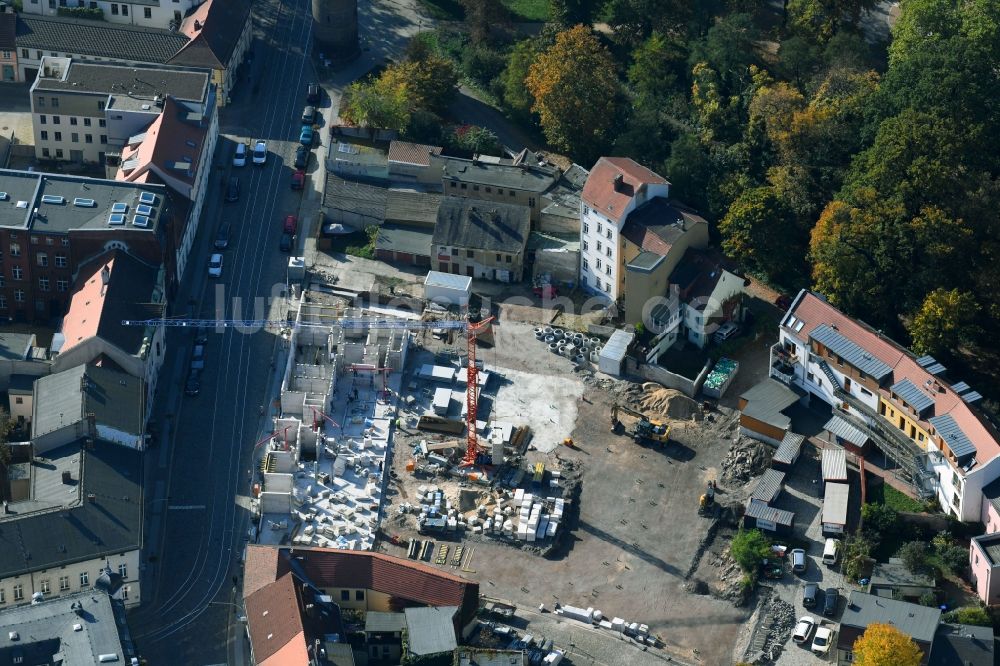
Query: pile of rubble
x=668, y=403
x=729, y=585
x=780, y=621
x=746, y=459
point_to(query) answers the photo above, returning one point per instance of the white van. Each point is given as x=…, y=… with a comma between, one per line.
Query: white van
x=726, y=331
x=830, y=552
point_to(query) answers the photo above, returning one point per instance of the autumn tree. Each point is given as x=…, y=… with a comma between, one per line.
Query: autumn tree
x=758, y=231
x=575, y=90
x=945, y=320
x=885, y=645
x=377, y=105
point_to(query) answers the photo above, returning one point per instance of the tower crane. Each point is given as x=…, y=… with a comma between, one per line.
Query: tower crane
x=472, y=327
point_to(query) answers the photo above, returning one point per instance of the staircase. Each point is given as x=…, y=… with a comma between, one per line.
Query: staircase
x=828, y=371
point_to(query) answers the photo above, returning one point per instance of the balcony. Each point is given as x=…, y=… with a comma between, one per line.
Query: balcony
x=783, y=364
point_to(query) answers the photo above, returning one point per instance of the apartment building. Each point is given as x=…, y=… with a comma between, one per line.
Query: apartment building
x=163, y=14
x=176, y=150
x=74, y=522
x=81, y=112
x=51, y=225
x=884, y=396
x=8, y=45
x=481, y=239
x=219, y=33
x=494, y=180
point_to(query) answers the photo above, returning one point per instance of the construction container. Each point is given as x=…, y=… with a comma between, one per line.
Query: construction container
x=720, y=378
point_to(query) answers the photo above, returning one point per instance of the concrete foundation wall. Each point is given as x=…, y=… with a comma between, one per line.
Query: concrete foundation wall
x=276, y=503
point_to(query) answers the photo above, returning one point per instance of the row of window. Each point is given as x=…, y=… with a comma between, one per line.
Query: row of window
x=489, y=190
x=74, y=137
x=45, y=586
x=598, y=264
x=606, y=286
x=600, y=230
x=607, y=250
x=73, y=120
x=43, y=282
x=147, y=12
x=469, y=254
x=54, y=103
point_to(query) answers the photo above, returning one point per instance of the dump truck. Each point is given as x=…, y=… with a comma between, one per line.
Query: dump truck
x=645, y=429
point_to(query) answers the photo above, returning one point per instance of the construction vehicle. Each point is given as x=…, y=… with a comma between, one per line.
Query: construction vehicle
x=707, y=501
x=645, y=429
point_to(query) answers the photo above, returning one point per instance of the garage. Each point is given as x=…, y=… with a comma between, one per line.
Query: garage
x=30, y=74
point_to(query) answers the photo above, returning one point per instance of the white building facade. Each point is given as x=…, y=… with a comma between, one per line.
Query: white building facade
x=163, y=14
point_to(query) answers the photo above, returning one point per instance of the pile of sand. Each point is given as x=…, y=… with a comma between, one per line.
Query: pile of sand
x=657, y=401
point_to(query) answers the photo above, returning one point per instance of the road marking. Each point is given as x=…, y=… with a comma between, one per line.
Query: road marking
x=187, y=507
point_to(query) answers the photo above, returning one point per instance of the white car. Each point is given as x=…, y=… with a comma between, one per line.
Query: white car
x=260, y=152
x=240, y=156
x=215, y=266
x=803, y=629
x=821, y=641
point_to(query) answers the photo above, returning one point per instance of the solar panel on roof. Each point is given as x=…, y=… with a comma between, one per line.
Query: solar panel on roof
x=911, y=394
x=936, y=369
x=147, y=198
x=140, y=221
x=116, y=218
x=972, y=397
x=119, y=207
x=960, y=387
x=924, y=361
x=143, y=209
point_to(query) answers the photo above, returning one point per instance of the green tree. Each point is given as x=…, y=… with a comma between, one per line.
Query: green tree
x=758, y=231
x=516, y=95
x=567, y=13
x=690, y=169
x=973, y=615
x=728, y=48
x=634, y=20
x=855, y=557
x=576, y=90
x=879, y=519
x=376, y=105
x=914, y=555
x=885, y=645
x=430, y=83
x=748, y=548
x=486, y=20
x=945, y=320
x=659, y=64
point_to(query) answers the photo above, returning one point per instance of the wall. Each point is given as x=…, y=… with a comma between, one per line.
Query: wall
x=160, y=14
x=985, y=577
x=484, y=265
x=32, y=582
x=765, y=432
x=22, y=409
x=659, y=374
x=46, y=441
x=198, y=190
x=32, y=368
x=225, y=80
x=130, y=440
x=490, y=193
x=641, y=286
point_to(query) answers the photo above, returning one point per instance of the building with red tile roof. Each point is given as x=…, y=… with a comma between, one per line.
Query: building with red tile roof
x=220, y=32
x=886, y=397
x=349, y=579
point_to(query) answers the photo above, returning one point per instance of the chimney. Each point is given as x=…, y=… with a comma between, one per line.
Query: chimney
x=105, y=275
x=67, y=477
x=197, y=24
x=619, y=179
x=92, y=497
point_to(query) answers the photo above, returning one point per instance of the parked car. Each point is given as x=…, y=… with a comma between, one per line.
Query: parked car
x=290, y=225
x=298, y=179
x=821, y=642
x=831, y=550
x=309, y=115
x=726, y=331
x=313, y=93
x=215, y=265
x=799, y=562
x=201, y=336
x=803, y=629
x=809, y=594
x=285, y=244
x=198, y=357
x=306, y=135
x=240, y=156
x=260, y=152
x=831, y=599
x=301, y=157
x=192, y=386
x=222, y=236
x=783, y=302
x=233, y=189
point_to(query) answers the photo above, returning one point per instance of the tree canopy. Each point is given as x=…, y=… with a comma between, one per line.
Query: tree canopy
x=885, y=645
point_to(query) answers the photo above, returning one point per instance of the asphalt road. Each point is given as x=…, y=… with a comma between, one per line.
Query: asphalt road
x=197, y=481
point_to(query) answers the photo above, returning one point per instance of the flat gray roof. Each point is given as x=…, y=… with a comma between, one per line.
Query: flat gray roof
x=189, y=85
x=15, y=346
x=413, y=240
x=835, y=498
x=895, y=573
x=100, y=39
x=482, y=225
x=115, y=399
x=766, y=401
x=769, y=486
x=525, y=177
x=645, y=261
x=47, y=632
x=430, y=629
x=55, y=196
x=617, y=345
x=761, y=511
x=840, y=427
x=448, y=281
x=378, y=622
x=990, y=545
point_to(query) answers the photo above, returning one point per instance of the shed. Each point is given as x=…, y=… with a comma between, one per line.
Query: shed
x=447, y=289
x=430, y=630
x=612, y=357
x=760, y=515
x=769, y=486
x=762, y=411
x=844, y=433
x=834, y=465
x=788, y=451
x=835, y=508
x=893, y=580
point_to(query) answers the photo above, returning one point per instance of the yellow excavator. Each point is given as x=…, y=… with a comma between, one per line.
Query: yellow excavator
x=644, y=430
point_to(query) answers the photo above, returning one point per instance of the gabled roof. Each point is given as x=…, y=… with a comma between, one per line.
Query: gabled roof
x=811, y=315
x=417, y=154
x=275, y=624
x=657, y=224
x=963, y=645
x=113, y=397
x=62, y=524
x=116, y=286
x=767, y=400
x=482, y=225
x=430, y=630
x=600, y=192
x=171, y=145
x=918, y=622
x=214, y=29
x=100, y=39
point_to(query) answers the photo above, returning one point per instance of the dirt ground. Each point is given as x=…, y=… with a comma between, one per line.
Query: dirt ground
x=636, y=537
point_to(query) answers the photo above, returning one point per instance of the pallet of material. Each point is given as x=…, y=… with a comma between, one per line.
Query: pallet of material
x=432, y=423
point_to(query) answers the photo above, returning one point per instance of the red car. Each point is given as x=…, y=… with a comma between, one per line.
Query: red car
x=298, y=179
x=291, y=224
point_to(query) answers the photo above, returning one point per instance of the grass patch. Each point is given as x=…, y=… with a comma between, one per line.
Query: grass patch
x=359, y=244
x=444, y=10
x=883, y=493
x=528, y=10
